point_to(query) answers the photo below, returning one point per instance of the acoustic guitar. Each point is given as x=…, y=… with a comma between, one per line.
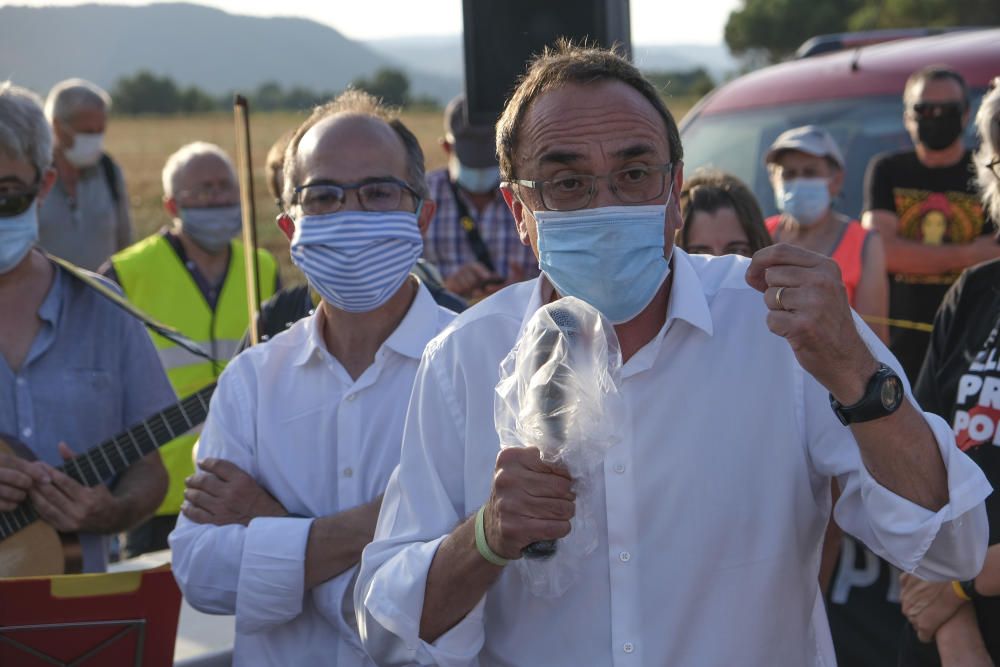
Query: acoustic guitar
x=31, y=547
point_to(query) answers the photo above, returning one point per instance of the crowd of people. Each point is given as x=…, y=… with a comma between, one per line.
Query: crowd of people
x=349, y=499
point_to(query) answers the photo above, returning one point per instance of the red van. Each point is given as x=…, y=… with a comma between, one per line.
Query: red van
x=855, y=94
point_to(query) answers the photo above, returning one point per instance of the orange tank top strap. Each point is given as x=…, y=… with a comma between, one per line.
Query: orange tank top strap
x=772, y=224
x=848, y=255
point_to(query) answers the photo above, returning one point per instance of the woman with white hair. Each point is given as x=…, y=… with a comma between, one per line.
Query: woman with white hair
x=960, y=380
x=85, y=219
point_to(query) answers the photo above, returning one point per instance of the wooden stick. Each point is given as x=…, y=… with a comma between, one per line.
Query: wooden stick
x=241, y=111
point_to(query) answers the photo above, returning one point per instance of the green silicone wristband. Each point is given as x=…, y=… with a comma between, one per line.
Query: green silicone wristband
x=481, y=546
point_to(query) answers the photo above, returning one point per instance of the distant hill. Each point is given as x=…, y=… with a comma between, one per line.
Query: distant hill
x=194, y=45
x=442, y=55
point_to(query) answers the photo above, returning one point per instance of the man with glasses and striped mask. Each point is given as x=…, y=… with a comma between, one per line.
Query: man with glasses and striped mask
x=304, y=431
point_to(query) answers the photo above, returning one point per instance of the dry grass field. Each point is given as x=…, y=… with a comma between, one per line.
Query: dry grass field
x=142, y=144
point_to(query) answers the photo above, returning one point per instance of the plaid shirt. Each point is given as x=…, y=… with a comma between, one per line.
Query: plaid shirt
x=446, y=246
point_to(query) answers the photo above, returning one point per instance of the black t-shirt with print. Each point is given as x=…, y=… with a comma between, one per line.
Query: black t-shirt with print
x=935, y=206
x=960, y=381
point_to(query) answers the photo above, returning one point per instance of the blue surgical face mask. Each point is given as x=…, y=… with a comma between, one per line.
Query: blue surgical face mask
x=357, y=260
x=805, y=199
x=611, y=257
x=212, y=227
x=471, y=179
x=18, y=235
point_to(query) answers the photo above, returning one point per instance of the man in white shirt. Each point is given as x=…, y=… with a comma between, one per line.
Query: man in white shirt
x=305, y=430
x=712, y=507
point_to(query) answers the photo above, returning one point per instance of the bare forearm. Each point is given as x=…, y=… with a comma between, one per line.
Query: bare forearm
x=901, y=454
x=988, y=581
x=959, y=642
x=458, y=578
x=336, y=542
x=902, y=256
x=137, y=495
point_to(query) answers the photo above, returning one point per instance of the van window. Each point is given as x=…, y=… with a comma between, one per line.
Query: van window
x=863, y=127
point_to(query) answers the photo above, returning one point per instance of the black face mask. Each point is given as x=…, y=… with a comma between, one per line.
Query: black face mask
x=939, y=132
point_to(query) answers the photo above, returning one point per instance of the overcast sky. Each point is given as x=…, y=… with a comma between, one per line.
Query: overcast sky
x=653, y=21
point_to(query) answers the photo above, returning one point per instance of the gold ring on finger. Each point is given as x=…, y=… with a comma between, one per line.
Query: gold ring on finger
x=777, y=297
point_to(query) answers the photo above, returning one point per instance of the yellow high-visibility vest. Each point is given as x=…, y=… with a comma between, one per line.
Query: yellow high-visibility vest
x=156, y=281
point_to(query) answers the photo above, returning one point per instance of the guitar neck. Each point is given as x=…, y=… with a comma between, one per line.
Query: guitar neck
x=112, y=457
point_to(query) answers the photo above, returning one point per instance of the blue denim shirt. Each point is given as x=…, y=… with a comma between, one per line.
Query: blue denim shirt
x=91, y=373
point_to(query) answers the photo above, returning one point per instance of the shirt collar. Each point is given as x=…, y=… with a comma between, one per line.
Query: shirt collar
x=687, y=295
x=314, y=340
x=409, y=339
x=420, y=324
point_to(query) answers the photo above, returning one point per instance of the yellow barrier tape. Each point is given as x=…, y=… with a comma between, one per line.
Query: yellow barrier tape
x=899, y=324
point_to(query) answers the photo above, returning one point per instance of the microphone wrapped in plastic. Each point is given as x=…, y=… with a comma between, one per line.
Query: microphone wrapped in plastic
x=550, y=397
x=559, y=392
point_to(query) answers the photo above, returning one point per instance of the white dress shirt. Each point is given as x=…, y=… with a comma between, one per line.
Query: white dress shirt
x=287, y=413
x=716, y=499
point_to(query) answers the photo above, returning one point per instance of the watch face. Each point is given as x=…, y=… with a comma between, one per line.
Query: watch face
x=892, y=392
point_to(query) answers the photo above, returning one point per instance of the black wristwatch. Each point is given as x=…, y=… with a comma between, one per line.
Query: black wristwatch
x=969, y=587
x=883, y=396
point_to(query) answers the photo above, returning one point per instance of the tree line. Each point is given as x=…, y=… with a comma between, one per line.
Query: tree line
x=771, y=30
x=146, y=92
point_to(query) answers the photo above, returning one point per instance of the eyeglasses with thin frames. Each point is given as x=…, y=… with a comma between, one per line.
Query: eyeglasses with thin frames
x=379, y=194
x=632, y=185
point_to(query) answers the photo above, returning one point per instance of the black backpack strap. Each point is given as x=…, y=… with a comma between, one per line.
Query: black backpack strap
x=108, y=167
x=472, y=234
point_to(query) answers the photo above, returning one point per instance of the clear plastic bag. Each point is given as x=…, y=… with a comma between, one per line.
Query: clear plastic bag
x=558, y=391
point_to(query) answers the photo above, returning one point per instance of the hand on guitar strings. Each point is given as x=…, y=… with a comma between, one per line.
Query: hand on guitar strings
x=220, y=493
x=17, y=476
x=69, y=506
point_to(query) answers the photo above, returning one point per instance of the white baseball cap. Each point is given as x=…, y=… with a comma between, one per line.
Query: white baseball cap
x=809, y=139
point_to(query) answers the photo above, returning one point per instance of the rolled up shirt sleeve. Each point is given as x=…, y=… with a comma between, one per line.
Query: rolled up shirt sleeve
x=949, y=543
x=271, y=573
x=423, y=503
x=206, y=564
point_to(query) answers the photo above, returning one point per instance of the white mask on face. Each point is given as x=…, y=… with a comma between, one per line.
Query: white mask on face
x=86, y=149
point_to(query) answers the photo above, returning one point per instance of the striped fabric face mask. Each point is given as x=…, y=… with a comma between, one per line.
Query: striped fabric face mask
x=357, y=260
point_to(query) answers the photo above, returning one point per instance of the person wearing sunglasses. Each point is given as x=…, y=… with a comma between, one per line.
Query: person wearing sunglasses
x=304, y=431
x=75, y=369
x=924, y=204
x=958, y=622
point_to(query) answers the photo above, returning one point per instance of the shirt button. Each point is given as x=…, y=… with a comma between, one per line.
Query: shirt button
x=625, y=556
x=348, y=472
x=351, y=397
x=620, y=468
x=628, y=647
x=21, y=382
x=27, y=432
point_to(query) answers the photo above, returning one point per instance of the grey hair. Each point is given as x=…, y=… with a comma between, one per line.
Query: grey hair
x=988, y=127
x=357, y=103
x=178, y=162
x=24, y=132
x=73, y=95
